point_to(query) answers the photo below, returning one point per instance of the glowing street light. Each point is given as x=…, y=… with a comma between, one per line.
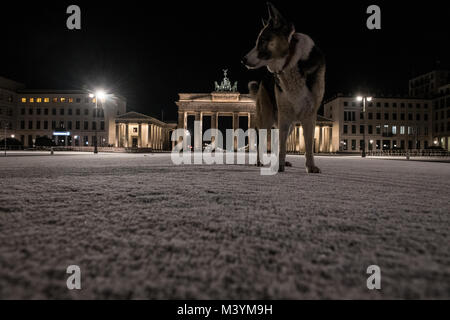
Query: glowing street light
x=364, y=99
x=99, y=94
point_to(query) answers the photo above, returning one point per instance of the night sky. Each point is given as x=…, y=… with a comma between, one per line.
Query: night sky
x=149, y=52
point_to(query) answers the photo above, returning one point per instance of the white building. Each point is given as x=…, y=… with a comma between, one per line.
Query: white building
x=70, y=118
x=418, y=121
x=389, y=123
x=435, y=85
x=441, y=117
x=8, y=102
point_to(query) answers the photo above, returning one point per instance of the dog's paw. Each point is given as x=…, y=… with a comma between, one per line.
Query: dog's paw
x=281, y=168
x=259, y=164
x=312, y=169
x=288, y=164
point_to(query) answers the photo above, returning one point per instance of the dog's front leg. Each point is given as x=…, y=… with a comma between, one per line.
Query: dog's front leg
x=284, y=124
x=308, y=133
x=258, y=142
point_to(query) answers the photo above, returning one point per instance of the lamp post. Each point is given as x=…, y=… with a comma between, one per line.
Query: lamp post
x=364, y=99
x=97, y=95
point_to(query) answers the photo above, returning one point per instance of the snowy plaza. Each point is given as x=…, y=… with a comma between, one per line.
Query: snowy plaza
x=141, y=227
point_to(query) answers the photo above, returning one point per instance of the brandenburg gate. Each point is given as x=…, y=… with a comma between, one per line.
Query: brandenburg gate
x=226, y=108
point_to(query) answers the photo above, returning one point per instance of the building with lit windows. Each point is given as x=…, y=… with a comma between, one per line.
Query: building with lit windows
x=441, y=117
x=8, y=101
x=418, y=121
x=389, y=123
x=435, y=85
x=72, y=118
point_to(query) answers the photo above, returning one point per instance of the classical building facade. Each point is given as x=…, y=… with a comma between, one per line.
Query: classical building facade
x=137, y=130
x=225, y=108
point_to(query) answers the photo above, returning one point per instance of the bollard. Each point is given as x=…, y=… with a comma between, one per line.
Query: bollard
x=51, y=150
x=407, y=155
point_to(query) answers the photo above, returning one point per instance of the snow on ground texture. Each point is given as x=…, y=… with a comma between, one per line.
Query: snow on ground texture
x=140, y=227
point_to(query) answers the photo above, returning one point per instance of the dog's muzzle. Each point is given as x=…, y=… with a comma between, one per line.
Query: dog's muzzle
x=246, y=63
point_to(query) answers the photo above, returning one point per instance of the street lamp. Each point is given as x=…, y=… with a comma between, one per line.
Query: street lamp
x=98, y=95
x=364, y=99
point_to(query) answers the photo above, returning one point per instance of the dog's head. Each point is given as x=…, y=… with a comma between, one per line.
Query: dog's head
x=273, y=41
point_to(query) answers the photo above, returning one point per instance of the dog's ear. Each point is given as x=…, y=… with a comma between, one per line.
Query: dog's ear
x=275, y=15
x=264, y=22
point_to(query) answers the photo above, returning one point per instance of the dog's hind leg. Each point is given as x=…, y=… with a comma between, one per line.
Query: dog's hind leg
x=309, y=125
x=284, y=124
x=287, y=163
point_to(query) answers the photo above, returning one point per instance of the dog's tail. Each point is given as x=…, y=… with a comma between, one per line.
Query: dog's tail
x=253, y=88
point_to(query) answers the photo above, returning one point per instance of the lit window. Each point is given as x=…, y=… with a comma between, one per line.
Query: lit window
x=63, y=99
x=394, y=129
x=24, y=100
x=32, y=100
x=55, y=100
x=46, y=100
x=38, y=100
x=402, y=129
x=93, y=100
x=70, y=100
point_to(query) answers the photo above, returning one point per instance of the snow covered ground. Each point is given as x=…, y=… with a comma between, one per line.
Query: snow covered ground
x=140, y=227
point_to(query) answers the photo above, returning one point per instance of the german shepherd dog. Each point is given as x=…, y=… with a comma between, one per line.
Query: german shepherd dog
x=294, y=88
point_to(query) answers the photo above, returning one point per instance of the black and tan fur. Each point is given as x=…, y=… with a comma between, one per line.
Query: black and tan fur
x=294, y=87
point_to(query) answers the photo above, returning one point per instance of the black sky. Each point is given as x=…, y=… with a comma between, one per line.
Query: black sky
x=149, y=51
